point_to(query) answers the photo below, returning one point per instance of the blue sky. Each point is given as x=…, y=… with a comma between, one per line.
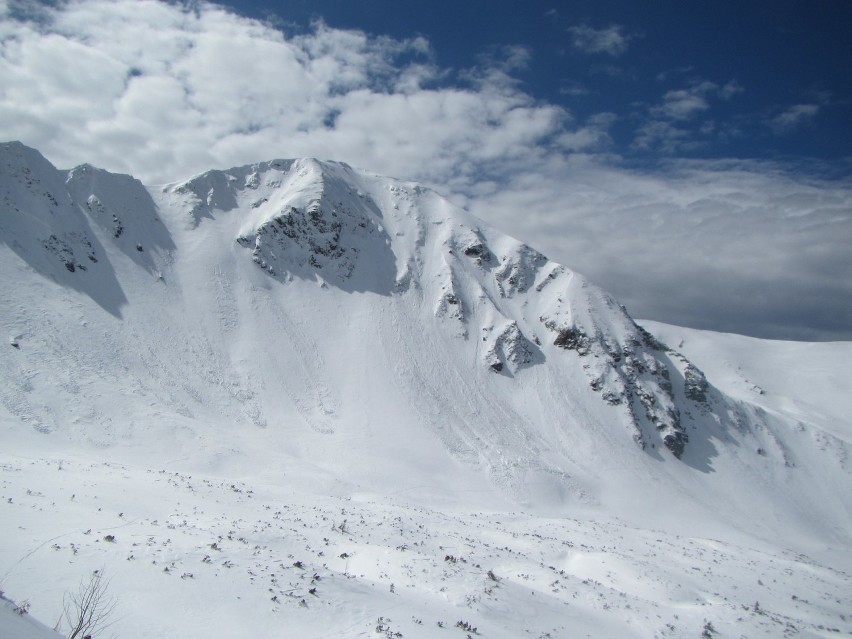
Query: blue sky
x=764, y=79
x=692, y=158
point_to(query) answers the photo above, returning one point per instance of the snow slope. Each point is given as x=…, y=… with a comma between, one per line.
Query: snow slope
x=296, y=361
x=809, y=383
x=15, y=622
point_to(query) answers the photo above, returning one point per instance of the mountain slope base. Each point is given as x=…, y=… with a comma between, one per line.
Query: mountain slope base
x=200, y=556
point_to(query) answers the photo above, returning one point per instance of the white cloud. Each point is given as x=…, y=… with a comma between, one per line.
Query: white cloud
x=593, y=136
x=662, y=136
x=666, y=127
x=729, y=90
x=512, y=58
x=612, y=40
x=794, y=117
x=148, y=88
x=683, y=104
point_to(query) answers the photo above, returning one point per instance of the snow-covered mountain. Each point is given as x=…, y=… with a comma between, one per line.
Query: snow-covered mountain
x=307, y=326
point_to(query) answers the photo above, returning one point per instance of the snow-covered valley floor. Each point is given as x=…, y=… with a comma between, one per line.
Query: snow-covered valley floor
x=195, y=556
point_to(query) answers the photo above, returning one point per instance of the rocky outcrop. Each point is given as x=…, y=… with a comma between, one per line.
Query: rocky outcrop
x=510, y=350
x=518, y=270
x=695, y=385
x=307, y=237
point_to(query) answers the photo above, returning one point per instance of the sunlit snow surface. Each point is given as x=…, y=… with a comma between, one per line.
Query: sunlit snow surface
x=307, y=401
x=203, y=556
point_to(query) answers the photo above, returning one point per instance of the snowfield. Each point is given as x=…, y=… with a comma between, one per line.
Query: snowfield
x=202, y=556
x=296, y=399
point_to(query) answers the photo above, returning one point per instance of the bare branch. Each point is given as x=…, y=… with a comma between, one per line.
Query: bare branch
x=88, y=610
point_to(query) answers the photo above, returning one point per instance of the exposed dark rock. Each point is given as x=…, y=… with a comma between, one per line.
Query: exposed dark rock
x=63, y=249
x=676, y=442
x=309, y=236
x=477, y=250
x=573, y=339
x=695, y=384
x=612, y=398
x=551, y=277
x=449, y=305
x=629, y=373
x=650, y=340
x=517, y=272
x=510, y=348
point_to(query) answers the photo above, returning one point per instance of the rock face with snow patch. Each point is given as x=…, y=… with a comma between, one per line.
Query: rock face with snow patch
x=60, y=223
x=305, y=219
x=502, y=298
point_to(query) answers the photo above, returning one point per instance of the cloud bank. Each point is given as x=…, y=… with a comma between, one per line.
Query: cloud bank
x=163, y=91
x=735, y=246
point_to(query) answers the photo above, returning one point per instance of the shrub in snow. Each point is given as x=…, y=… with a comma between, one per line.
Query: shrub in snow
x=89, y=609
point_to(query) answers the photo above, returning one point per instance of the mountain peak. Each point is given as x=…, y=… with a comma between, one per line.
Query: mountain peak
x=309, y=298
x=502, y=302
x=325, y=222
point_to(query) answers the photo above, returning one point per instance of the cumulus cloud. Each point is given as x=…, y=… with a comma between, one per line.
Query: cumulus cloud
x=162, y=92
x=158, y=90
x=611, y=40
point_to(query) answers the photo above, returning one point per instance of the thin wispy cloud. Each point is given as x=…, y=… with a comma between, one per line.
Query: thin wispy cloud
x=573, y=89
x=612, y=40
x=669, y=124
x=662, y=136
x=683, y=104
x=162, y=92
x=794, y=117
